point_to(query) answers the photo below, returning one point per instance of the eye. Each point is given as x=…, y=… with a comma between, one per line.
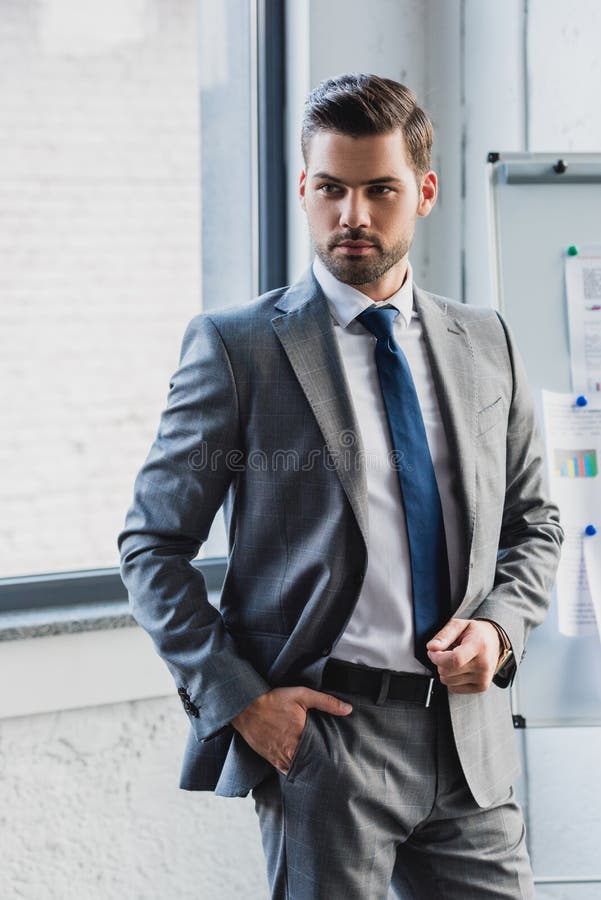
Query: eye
x=325, y=188
x=380, y=188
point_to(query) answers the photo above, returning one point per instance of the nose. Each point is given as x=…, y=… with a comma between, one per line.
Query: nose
x=354, y=212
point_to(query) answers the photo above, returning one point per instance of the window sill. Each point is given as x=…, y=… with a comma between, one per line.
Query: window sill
x=78, y=656
x=51, y=620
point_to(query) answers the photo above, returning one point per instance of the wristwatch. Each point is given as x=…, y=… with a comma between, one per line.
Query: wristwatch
x=506, y=651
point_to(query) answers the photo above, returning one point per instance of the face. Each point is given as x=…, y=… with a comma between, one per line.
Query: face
x=362, y=198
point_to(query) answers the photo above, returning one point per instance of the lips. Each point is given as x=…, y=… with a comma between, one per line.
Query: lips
x=355, y=248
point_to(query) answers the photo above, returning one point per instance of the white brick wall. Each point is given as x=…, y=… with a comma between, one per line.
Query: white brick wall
x=99, y=262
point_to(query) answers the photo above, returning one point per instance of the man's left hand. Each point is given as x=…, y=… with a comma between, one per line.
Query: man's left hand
x=466, y=654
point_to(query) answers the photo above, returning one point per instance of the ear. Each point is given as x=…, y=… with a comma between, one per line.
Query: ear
x=428, y=193
x=301, y=188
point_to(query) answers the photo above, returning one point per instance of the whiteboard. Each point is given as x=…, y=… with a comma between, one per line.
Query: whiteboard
x=539, y=205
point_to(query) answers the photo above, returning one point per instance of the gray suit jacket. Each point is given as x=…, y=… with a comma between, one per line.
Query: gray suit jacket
x=259, y=418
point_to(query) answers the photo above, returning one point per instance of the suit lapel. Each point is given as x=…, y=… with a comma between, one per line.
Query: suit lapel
x=451, y=358
x=306, y=333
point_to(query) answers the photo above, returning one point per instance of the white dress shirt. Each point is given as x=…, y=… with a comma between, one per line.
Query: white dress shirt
x=380, y=630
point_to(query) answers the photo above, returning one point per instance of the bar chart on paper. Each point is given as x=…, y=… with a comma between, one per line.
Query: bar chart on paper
x=576, y=463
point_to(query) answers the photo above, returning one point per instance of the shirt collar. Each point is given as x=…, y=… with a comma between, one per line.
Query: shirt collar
x=346, y=302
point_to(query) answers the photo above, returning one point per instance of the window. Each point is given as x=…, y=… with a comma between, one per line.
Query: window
x=130, y=178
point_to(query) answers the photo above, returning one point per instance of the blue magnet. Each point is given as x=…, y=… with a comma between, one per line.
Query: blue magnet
x=590, y=530
x=581, y=400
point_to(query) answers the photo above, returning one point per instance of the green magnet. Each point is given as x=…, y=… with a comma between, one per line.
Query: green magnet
x=572, y=250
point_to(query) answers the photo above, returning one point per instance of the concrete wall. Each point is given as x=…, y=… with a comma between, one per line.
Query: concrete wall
x=90, y=810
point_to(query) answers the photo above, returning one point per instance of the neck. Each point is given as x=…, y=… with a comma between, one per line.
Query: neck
x=386, y=286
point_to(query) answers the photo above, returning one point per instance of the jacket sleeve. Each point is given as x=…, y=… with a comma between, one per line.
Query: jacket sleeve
x=177, y=494
x=531, y=535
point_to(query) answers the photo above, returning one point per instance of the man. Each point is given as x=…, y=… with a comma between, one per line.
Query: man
x=390, y=542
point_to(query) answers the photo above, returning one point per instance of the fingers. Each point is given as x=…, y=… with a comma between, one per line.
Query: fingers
x=474, y=679
x=283, y=761
x=477, y=680
x=450, y=662
x=466, y=668
x=282, y=758
x=325, y=702
x=273, y=724
x=280, y=755
x=310, y=699
x=443, y=639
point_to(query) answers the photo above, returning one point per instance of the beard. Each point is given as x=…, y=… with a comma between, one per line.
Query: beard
x=360, y=269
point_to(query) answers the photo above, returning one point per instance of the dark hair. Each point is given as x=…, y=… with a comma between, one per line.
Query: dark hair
x=359, y=105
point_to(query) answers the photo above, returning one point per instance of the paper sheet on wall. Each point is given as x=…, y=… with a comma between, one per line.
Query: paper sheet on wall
x=592, y=565
x=573, y=444
x=583, y=292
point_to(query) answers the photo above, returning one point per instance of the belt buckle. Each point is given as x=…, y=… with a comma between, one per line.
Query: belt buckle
x=430, y=693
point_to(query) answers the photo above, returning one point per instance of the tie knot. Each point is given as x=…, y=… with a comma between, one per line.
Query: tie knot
x=379, y=320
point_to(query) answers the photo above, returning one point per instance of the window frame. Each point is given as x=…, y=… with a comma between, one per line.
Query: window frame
x=272, y=175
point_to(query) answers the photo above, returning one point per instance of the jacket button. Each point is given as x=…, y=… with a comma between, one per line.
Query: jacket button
x=190, y=707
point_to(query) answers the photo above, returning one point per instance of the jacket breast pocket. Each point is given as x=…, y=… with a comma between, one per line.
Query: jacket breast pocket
x=490, y=416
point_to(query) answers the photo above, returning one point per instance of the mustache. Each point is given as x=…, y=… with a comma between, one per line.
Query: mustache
x=354, y=236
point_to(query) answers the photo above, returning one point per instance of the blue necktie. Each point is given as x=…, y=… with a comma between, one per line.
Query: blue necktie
x=423, y=511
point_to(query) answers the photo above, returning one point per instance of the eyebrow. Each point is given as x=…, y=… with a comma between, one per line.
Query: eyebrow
x=383, y=180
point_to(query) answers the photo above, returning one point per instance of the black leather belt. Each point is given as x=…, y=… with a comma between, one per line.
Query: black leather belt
x=381, y=684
